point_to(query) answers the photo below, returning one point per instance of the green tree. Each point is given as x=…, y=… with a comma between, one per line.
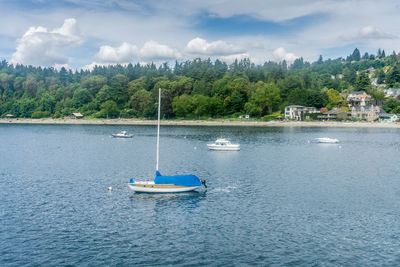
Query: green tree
x=142, y=103
x=298, y=96
x=391, y=104
x=104, y=94
x=137, y=85
x=363, y=83
x=380, y=74
x=378, y=95
x=47, y=103
x=356, y=56
x=394, y=75
x=109, y=109
x=119, y=88
x=201, y=105
x=234, y=103
x=81, y=97
x=349, y=75
x=26, y=106
x=183, y=105
x=94, y=83
x=334, y=97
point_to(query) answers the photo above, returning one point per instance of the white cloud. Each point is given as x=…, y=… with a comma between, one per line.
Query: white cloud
x=99, y=64
x=332, y=28
x=199, y=46
x=370, y=32
x=124, y=53
x=154, y=51
x=59, y=66
x=39, y=46
x=231, y=58
x=281, y=54
x=127, y=53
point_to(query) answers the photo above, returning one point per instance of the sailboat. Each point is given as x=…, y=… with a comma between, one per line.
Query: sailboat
x=166, y=184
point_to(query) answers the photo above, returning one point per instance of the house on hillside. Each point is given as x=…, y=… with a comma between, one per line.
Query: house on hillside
x=77, y=115
x=296, y=112
x=359, y=98
x=392, y=92
x=386, y=117
x=334, y=114
x=370, y=72
x=9, y=116
x=369, y=113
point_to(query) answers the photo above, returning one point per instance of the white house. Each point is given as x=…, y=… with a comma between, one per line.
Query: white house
x=295, y=112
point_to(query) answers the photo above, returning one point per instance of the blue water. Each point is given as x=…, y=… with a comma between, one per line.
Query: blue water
x=282, y=200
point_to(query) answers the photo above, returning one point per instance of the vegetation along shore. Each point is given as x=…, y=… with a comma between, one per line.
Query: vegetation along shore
x=273, y=123
x=358, y=87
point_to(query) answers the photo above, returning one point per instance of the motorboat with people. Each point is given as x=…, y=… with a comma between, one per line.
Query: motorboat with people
x=223, y=144
x=166, y=184
x=122, y=134
x=327, y=140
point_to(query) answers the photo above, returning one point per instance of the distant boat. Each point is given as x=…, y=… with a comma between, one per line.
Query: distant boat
x=327, y=140
x=166, y=184
x=122, y=134
x=223, y=144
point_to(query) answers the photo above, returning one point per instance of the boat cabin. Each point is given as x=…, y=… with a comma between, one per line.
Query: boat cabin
x=222, y=142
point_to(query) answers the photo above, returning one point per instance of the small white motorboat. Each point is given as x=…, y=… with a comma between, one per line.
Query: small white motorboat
x=122, y=134
x=223, y=144
x=327, y=140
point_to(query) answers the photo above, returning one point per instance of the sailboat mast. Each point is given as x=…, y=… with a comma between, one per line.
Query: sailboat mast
x=158, y=127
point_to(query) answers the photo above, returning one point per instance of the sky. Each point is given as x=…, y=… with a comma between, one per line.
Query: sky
x=80, y=34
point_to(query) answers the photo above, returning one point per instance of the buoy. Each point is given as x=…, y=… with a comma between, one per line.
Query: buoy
x=110, y=188
x=195, y=147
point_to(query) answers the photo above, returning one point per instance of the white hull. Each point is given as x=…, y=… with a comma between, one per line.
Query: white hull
x=150, y=187
x=223, y=148
x=327, y=140
x=122, y=136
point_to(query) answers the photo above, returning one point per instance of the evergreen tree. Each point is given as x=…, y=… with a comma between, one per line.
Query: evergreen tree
x=363, y=82
x=393, y=75
x=356, y=56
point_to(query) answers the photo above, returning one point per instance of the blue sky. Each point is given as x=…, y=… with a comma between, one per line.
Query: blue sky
x=82, y=33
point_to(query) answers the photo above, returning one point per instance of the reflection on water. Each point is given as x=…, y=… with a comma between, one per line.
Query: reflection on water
x=282, y=200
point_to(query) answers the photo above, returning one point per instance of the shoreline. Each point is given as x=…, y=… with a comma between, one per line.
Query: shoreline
x=204, y=123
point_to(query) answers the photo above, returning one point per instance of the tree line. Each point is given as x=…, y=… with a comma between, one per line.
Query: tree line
x=195, y=89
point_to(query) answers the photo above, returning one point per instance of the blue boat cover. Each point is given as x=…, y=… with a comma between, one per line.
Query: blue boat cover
x=182, y=180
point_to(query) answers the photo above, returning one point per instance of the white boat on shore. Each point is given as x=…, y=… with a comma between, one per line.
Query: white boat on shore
x=122, y=134
x=223, y=145
x=166, y=184
x=327, y=140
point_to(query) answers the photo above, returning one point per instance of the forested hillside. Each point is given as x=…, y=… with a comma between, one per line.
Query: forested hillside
x=193, y=89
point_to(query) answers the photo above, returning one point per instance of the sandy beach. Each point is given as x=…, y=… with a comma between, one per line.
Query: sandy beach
x=205, y=123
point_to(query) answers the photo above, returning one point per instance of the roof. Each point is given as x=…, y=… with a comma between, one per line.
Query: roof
x=77, y=114
x=295, y=106
x=332, y=111
x=358, y=93
x=384, y=114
